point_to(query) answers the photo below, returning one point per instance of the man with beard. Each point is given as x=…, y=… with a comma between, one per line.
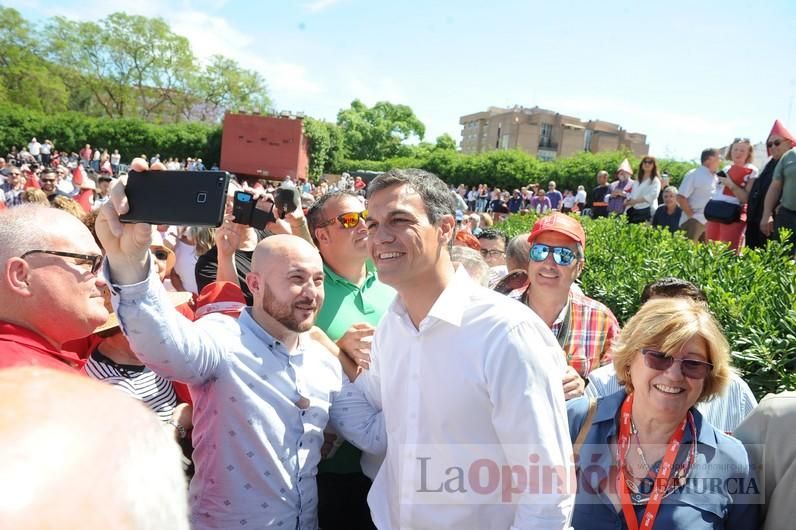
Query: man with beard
x=263, y=391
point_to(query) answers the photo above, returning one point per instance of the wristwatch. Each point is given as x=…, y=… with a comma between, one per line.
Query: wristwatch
x=181, y=432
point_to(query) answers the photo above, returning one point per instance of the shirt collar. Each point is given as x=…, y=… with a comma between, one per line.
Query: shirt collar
x=247, y=321
x=451, y=304
x=370, y=275
x=31, y=339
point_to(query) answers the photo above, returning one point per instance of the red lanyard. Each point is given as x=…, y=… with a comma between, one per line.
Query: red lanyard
x=661, y=479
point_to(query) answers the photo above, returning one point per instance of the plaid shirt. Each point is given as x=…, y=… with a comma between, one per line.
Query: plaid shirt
x=592, y=328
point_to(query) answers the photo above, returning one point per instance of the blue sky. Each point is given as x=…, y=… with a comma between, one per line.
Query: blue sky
x=688, y=74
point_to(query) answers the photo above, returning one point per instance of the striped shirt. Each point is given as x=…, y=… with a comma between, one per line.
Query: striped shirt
x=725, y=411
x=138, y=381
x=585, y=329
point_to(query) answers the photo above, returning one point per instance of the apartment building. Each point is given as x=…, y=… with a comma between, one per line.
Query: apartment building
x=544, y=133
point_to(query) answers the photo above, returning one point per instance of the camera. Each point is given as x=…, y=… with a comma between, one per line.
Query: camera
x=287, y=200
x=721, y=174
x=245, y=210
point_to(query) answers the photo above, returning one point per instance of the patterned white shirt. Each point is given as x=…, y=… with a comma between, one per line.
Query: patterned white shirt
x=259, y=409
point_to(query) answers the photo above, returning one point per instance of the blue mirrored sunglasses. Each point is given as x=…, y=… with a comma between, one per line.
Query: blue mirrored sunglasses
x=561, y=255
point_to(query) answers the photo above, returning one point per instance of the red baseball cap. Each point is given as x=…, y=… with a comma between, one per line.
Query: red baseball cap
x=561, y=223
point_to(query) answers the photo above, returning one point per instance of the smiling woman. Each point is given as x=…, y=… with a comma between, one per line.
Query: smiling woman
x=649, y=439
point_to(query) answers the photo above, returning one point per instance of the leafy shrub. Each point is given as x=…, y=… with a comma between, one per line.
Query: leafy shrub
x=131, y=136
x=753, y=295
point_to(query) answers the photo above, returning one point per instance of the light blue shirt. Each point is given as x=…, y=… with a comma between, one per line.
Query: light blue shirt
x=725, y=411
x=259, y=409
x=720, y=492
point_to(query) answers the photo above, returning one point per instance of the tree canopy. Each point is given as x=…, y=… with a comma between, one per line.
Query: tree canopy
x=378, y=132
x=122, y=66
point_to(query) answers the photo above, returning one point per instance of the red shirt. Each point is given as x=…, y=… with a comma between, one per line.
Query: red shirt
x=22, y=347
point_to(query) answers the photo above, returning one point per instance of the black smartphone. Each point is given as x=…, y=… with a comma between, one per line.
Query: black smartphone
x=245, y=210
x=183, y=198
x=721, y=174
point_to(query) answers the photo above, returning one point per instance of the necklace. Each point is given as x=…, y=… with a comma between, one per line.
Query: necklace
x=678, y=479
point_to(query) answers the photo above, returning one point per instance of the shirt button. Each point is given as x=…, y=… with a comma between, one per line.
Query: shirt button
x=303, y=412
x=301, y=444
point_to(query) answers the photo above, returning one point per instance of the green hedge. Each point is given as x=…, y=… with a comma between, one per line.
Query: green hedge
x=513, y=169
x=132, y=137
x=752, y=295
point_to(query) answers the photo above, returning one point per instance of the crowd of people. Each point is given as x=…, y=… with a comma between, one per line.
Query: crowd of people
x=382, y=357
x=717, y=201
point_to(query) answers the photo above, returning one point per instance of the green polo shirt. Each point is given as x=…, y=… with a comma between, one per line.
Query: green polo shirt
x=346, y=304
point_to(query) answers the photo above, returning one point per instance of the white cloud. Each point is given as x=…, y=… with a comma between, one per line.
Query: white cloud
x=319, y=5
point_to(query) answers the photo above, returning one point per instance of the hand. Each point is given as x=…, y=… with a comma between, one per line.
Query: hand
x=574, y=385
x=126, y=245
x=182, y=415
x=725, y=181
x=228, y=237
x=356, y=343
x=767, y=224
x=329, y=441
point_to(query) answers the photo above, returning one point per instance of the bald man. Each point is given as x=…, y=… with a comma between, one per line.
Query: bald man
x=50, y=292
x=263, y=391
x=77, y=454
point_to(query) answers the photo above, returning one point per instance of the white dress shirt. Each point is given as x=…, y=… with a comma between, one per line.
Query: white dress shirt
x=481, y=379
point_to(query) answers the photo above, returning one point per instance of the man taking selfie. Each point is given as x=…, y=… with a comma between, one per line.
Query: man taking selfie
x=263, y=390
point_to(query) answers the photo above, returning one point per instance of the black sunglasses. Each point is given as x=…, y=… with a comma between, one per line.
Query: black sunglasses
x=691, y=368
x=87, y=259
x=775, y=143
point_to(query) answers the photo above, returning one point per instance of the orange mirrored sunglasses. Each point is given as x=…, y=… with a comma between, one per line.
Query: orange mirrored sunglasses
x=347, y=220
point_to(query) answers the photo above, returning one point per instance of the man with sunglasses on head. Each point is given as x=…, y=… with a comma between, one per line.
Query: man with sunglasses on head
x=50, y=291
x=354, y=303
x=584, y=327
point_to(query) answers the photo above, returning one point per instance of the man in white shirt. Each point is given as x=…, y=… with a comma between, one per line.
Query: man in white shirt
x=469, y=381
x=695, y=192
x=34, y=148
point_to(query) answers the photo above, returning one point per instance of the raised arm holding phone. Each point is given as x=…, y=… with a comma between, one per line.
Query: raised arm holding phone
x=263, y=389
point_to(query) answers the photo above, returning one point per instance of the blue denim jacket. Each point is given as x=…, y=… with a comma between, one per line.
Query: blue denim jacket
x=721, y=492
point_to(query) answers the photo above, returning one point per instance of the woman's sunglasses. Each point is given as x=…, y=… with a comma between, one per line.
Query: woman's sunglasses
x=691, y=368
x=561, y=255
x=347, y=220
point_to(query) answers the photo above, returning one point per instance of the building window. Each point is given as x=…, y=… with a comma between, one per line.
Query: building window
x=504, y=141
x=545, y=140
x=587, y=140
